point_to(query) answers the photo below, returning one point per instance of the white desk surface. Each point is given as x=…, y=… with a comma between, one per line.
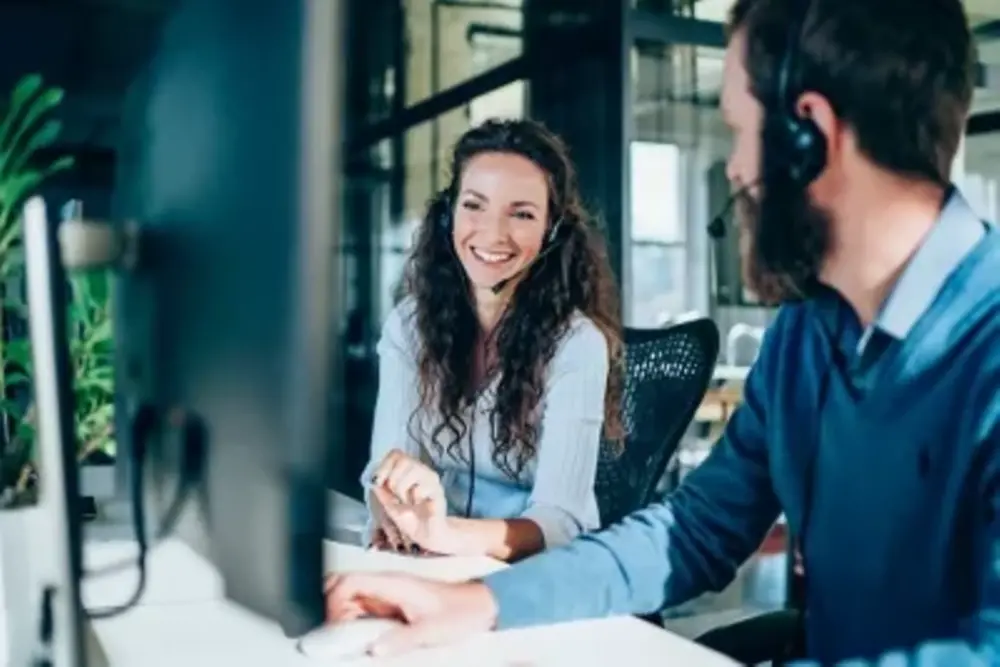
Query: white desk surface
x=184, y=620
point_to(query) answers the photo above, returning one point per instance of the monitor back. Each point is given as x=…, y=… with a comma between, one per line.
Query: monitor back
x=230, y=164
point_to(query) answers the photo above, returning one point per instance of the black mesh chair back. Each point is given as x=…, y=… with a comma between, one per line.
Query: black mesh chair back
x=667, y=374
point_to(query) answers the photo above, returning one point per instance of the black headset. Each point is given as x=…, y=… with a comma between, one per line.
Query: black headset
x=800, y=142
x=797, y=140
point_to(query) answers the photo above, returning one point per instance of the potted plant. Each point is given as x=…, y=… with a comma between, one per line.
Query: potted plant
x=92, y=357
x=26, y=131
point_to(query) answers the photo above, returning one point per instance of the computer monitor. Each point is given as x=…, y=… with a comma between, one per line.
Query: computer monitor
x=230, y=165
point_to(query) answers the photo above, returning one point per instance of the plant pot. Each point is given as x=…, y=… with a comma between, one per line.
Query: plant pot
x=97, y=481
x=97, y=486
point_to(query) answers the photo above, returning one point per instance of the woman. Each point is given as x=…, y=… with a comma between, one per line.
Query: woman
x=501, y=365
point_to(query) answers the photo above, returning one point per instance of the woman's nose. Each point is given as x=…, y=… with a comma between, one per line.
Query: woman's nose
x=495, y=227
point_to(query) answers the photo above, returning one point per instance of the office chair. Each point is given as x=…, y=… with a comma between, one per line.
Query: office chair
x=667, y=372
x=774, y=637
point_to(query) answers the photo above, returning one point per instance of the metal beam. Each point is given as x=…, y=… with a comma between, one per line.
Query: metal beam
x=653, y=27
x=478, y=5
x=988, y=77
x=521, y=67
x=987, y=122
x=445, y=101
x=650, y=27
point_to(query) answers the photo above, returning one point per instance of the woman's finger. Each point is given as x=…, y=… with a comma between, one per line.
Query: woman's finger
x=387, y=464
x=396, y=524
x=379, y=541
x=394, y=538
x=395, y=477
x=416, y=484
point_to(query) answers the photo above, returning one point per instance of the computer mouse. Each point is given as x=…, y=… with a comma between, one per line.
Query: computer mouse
x=346, y=640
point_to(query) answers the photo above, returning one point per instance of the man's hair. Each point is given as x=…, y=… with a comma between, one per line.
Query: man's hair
x=900, y=73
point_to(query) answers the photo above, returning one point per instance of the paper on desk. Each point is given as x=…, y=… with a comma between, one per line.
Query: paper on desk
x=342, y=558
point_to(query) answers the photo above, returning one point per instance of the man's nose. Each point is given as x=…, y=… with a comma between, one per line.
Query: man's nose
x=732, y=174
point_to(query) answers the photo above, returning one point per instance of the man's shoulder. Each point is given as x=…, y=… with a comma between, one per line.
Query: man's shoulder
x=793, y=323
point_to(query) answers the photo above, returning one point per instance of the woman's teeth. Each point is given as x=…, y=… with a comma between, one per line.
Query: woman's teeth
x=491, y=257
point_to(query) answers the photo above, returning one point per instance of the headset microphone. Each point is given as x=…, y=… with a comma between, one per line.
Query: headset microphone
x=552, y=245
x=496, y=289
x=717, y=228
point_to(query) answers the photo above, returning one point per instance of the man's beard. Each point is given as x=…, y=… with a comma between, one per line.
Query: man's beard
x=783, y=240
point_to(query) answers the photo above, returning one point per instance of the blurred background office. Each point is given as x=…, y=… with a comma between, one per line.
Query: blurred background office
x=631, y=85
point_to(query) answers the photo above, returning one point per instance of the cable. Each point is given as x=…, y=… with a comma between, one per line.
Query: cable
x=472, y=467
x=143, y=426
x=166, y=526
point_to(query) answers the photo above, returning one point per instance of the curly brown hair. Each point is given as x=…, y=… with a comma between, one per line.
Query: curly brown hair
x=573, y=277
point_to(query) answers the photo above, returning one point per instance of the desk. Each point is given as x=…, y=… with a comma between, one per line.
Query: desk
x=184, y=620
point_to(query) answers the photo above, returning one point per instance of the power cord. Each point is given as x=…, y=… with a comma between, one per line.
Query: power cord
x=144, y=425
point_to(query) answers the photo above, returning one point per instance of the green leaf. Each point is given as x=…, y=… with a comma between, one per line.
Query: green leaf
x=15, y=188
x=19, y=352
x=14, y=191
x=11, y=407
x=15, y=379
x=60, y=164
x=23, y=91
x=18, y=145
x=46, y=136
x=106, y=385
x=100, y=333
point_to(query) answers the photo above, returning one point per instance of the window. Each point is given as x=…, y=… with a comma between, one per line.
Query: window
x=654, y=193
x=659, y=258
x=978, y=174
x=449, y=43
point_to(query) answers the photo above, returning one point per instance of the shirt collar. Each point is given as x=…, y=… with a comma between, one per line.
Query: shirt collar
x=957, y=231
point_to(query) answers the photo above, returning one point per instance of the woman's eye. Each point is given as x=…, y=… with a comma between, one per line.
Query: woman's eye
x=471, y=206
x=524, y=215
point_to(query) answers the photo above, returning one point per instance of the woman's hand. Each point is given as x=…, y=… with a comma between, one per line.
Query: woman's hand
x=410, y=507
x=408, y=479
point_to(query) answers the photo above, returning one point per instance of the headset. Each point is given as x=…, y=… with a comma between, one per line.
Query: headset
x=443, y=212
x=800, y=143
x=797, y=140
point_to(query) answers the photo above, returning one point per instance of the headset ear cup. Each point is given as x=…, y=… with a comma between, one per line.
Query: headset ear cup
x=443, y=210
x=807, y=157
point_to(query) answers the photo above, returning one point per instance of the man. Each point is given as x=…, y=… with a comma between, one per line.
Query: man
x=872, y=416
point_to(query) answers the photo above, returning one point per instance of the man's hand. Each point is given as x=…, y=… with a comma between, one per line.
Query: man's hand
x=435, y=613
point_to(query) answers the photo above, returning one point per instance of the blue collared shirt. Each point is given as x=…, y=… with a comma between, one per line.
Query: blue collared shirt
x=879, y=445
